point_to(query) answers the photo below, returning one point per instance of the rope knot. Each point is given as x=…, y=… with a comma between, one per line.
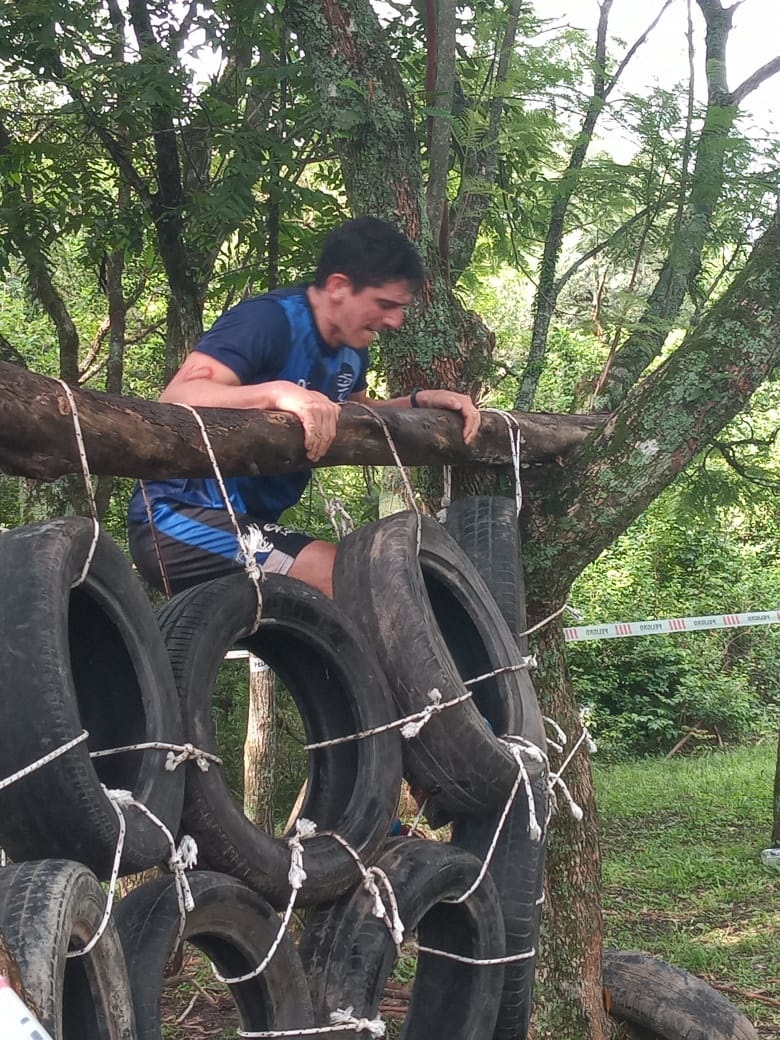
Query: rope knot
x=369, y=883
x=303, y=829
x=413, y=727
x=182, y=859
x=202, y=759
x=344, y=1017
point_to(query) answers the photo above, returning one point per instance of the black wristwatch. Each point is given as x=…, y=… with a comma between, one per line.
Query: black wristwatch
x=413, y=396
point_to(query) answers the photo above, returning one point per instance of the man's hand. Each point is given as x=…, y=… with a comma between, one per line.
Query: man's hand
x=318, y=415
x=455, y=403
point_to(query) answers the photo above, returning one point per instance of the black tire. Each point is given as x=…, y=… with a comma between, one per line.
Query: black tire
x=353, y=788
x=349, y=953
x=46, y=909
x=670, y=1003
x=435, y=625
x=485, y=527
x=234, y=927
x=74, y=658
x=517, y=869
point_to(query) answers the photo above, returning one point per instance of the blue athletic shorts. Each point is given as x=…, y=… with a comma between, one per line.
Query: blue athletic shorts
x=192, y=544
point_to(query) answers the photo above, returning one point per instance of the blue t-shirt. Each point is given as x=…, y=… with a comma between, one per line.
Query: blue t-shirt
x=263, y=339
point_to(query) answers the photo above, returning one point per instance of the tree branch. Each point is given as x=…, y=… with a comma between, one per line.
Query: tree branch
x=747, y=86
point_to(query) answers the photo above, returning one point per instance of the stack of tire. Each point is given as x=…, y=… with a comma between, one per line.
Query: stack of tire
x=415, y=617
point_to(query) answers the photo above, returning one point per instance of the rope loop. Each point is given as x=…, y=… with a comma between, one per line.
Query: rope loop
x=408, y=490
x=247, y=543
x=74, y=412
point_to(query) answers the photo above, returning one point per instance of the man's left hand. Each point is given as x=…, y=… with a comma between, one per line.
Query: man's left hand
x=455, y=403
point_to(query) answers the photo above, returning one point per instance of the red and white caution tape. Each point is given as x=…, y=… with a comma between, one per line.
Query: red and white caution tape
x=17, y=1022
x=663, y=626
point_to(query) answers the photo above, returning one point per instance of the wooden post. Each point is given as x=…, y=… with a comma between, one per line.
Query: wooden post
x=259, y=750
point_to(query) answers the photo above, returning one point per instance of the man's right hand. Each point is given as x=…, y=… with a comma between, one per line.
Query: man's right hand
x=318, y=415
x=202, y=381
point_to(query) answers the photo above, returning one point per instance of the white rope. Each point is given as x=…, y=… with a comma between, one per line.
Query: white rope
x=182, y=858
x=562, y=738
x=41, y=762
x=120, y=844
x=246, y=555
x=410, y=499
x=342, y=1020
x=177, y=753
x=556, y=778
x=371, y=876
x=515, y=440
x=543, y=622
x=535, y=830
x=511, y=958
x=525, y=663
x=410, y=725
x=296, y=876
x=340, y=520
x=87, y=482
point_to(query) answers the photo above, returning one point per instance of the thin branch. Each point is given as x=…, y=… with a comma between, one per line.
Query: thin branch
x=748, y=85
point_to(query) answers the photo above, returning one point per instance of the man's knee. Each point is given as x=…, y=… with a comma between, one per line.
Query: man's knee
x=314, y=565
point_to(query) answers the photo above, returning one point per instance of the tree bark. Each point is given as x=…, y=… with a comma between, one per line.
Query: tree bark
x=259, y=746
x=572, y=921
x=135, y=438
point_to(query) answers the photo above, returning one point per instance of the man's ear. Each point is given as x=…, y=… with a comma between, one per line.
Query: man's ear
x=337, y=286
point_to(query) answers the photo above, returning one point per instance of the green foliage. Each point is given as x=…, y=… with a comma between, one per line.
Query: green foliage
x=682, y=877
x=645, y=693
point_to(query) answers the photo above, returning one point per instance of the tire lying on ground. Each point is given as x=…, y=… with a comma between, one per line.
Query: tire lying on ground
x=349, y=953
x=670, y=1003
x=339, y=689
x=80, y=657
x=418, y=599
x=485, y=527
x=46, y=909
x=235, y=928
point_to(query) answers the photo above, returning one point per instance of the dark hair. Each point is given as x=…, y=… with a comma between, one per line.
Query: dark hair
x=369, y=251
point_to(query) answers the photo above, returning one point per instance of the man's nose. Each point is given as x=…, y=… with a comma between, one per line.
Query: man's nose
x=394, y=320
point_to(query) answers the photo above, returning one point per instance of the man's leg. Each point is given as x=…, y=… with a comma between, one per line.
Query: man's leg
x=193, y=544
x=314, y=565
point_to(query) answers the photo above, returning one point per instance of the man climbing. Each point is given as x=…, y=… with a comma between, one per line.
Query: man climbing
x=302, y=350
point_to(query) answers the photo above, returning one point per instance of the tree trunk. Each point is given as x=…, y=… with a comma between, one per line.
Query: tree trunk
x=259, y=758
x=569, y=999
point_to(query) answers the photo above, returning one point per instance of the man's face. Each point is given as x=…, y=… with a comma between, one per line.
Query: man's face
x=360, y=314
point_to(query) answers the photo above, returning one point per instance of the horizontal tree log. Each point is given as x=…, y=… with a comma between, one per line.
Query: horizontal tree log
x=131, y=437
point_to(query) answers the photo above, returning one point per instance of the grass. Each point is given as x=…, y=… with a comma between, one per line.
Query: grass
x=681, y=840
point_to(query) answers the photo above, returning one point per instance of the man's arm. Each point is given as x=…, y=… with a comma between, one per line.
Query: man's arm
x=448, y=399
x=202, y=381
